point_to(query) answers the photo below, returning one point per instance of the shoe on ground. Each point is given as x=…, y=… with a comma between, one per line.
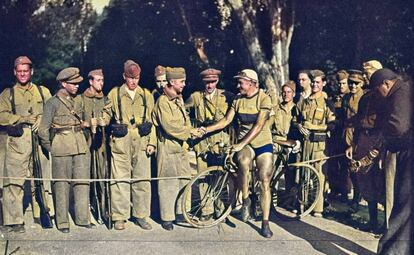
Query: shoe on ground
x=89, y=226
x=317, y=215
x=180, y=219
x=265, y=231
x=64, y=230
x=18, y=228
x=119, y=225
x=245, y=210
x=143, y=223
x=167, y=225
x=206, y=217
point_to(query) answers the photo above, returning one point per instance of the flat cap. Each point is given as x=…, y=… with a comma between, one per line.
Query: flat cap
x=131, y=69
x=356, y=75
x=175, y=73
x=22, y=60
x=210, y=74
x=379, y=76
x=247, y=74
x=342, y=75
x=70, y=75
x=290, y=84
x=159, y=70
x=97, y=72
x=372, y=64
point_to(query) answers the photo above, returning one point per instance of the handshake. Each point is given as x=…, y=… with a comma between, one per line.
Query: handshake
x=197, y=133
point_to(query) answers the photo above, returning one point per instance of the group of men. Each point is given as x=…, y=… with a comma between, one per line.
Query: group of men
x=136, y=124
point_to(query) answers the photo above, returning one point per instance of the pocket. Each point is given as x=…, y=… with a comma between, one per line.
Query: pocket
x=318, y=115
x=119, y=145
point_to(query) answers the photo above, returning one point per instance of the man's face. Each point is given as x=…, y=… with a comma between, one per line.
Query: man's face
x=23, y=73
x=161, y=81
x=244, y=86
x=97, y=82
x=71, y=88
x=317, y=84
x=355, y=86
x=304, y=80
x=132, y=83
x=368, y=73
x=383, y=90
x=343, y=86
x=287, y=94
x=210, y=86
x=178, y=85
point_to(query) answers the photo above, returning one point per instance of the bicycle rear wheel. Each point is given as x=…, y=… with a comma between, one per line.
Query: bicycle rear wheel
x=212, y=197
x=294, y=196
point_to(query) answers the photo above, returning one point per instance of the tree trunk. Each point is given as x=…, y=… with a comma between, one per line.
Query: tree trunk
x=274, y=71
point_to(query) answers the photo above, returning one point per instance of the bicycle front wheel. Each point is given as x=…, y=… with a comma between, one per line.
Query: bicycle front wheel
x=212, y=195
x=295, y=191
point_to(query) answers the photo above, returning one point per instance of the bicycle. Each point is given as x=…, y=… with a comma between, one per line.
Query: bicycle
x=220, y=197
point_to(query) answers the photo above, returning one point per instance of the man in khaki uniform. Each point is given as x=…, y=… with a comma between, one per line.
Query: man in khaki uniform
x=61, y=133
x=131, y=106
x=160, y=82
x=365, y=134
x=209, y=107
x=21, y=108
x=252, y=109
x=338, y=175
x=97, y=107
x=173, y=130
x=316, y=118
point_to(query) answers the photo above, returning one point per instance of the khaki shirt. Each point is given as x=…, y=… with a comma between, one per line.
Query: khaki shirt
x=133, y=109
x=28, y=100
x=350, y=105
x=282, y=120
x=247, y=110
x=172, y=123
x=207, y=111
x=57, y=115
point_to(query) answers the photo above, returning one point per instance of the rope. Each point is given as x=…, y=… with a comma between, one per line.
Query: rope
x=315, y=160
x=96, y=180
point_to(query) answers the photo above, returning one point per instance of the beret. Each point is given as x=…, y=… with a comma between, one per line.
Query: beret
x=22, y=60
x=98, y=72
x=380, y=75
x=356, y=75
x=69, y=75
x=341, y=75
x=210, y=74
x=247, y=74
x=159, y=70
x=291, y=84
x=372, y=64
x=175, y=73
x=131, y=69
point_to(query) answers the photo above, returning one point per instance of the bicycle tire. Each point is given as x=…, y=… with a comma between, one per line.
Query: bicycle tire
x=301, y=198
x=218, y=195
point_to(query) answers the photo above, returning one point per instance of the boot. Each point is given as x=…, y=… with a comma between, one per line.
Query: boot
x=245, y=210
x=265, y=231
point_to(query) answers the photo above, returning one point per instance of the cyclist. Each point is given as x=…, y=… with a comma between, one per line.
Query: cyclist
x=252, y=108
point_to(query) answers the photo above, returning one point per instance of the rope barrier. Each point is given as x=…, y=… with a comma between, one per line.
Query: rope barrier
x=96, y=180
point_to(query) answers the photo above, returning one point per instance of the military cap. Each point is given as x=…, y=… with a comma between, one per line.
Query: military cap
x=22, y=60
x=210, y=74
x=98, y=72
x=290, y=84
x=379, y=76
x=372, y=64
x=69, y=75
x=342, y=75
x=159, y=70
x=247, y=74
x=355, y=75
x=131, y=69
x=317, y=73
x=175, y=73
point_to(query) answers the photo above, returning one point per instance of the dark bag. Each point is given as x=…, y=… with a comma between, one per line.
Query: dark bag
x=317, y=137
x=119, y=129
x=145, y=128
x=15, y=131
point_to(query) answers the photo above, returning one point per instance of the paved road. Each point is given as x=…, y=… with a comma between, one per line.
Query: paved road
x=310, y=236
